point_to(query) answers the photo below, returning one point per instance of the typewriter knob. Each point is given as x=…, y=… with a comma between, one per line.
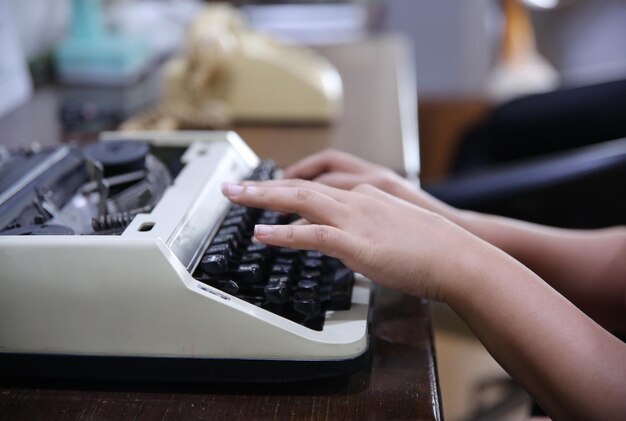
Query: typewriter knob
x=119, y=157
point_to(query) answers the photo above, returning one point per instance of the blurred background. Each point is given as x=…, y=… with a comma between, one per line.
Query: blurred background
x=461, y=48
x=472, y=61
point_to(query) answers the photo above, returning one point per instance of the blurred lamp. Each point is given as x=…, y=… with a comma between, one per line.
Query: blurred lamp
x=542, y=4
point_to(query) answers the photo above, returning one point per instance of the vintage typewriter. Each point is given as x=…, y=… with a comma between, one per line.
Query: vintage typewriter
x=123, y=260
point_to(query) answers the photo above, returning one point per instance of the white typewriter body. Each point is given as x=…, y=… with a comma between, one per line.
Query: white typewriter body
x=133, y=295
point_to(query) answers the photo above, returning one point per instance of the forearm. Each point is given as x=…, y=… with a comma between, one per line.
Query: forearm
x=588, y=267
x=572, y=366
x=590, y=254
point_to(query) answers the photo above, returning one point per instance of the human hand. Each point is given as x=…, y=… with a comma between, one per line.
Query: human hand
x=345, y=171
x=389, y=240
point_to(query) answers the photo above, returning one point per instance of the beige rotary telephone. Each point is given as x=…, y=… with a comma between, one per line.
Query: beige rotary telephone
x=229, y=73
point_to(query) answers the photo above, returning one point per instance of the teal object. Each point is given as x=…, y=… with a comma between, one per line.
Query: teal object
x=94, y=56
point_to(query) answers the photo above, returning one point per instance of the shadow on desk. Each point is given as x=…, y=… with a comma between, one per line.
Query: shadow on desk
x=353, y=383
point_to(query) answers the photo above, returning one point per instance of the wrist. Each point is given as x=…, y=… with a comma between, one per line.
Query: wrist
x=476, y=266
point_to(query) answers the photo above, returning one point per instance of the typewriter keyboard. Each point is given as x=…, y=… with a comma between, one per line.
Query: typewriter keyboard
x=297, y=284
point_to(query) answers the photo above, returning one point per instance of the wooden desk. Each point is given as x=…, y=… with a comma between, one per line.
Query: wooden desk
x=400, y=380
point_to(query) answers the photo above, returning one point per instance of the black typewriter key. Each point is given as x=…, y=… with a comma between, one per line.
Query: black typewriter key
x=236, y=221
x=259, y=248
x=249, y=274
x=258, y=288
x=223, y=248
x=253, y=258
x=268, y=221
x=206, y=278
x=343, y=276
x=312, y=254
x=229, y=239
x=228, y=286
x=287, y=252
x=314, y=275
x=239, y=211
x=330, y=263
x=341, y=292
x=263, y=172
x=281, y=260
x=314, y=322
x=307, y=285
x=262, y=176
x=270, y=213
x=214, y=264
x=270, y=218
x=279, y=278
x=277, y=290
x=339, y=301
x=306, y=303
x=312, y=264
x=283, y=269
x=229, y=230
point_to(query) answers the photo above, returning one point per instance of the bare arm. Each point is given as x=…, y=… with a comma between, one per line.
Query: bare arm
x=568, y=363
x=588, y=267
x=573, y=367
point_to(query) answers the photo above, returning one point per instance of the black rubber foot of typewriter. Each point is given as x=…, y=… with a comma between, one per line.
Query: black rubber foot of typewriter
x=152, y=369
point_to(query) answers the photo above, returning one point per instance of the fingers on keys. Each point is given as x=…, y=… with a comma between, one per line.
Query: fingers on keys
x=323, y=162
x=328, y=240
x=333, y=192
x=310, y=202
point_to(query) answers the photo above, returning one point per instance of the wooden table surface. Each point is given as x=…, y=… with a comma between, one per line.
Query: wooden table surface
x=400, y=379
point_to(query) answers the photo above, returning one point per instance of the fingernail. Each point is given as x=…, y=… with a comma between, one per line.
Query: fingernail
x=263, y=229
x=230, y=189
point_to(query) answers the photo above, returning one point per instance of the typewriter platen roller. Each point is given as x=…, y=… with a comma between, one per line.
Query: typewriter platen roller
x=108, y=258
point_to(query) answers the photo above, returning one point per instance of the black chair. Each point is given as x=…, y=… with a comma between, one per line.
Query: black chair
x=544, y=123
x=549, y=158
x=581, y=188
